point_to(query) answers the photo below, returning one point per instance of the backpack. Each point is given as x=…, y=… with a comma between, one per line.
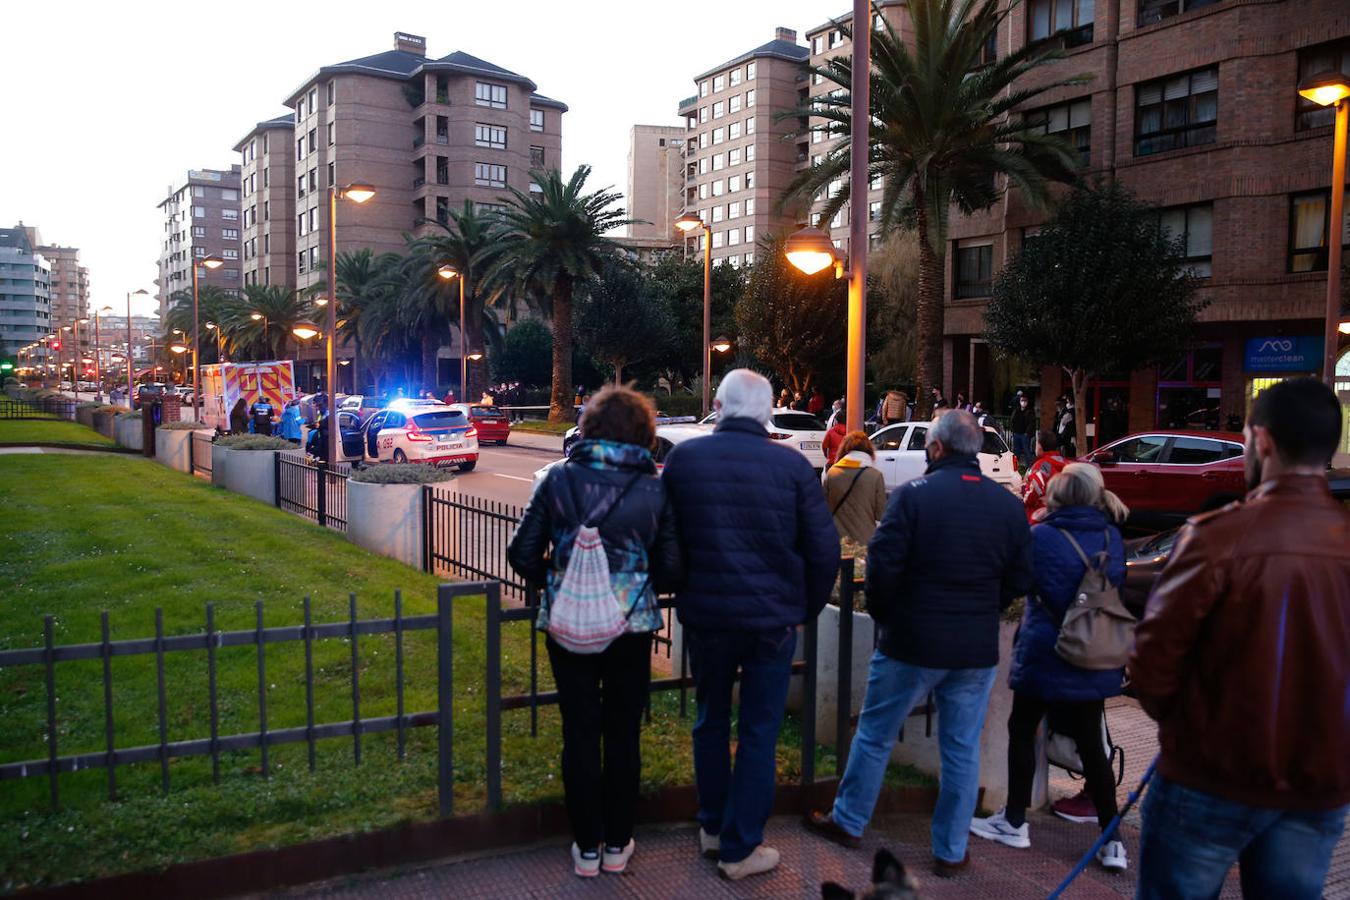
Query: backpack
x=1097, y=631
x=584, y=614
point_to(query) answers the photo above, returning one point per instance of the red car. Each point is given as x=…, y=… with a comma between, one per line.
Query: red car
x=1165, y=476
x=492, y=423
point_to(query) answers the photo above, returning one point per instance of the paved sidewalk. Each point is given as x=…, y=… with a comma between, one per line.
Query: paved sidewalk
x=536, y=441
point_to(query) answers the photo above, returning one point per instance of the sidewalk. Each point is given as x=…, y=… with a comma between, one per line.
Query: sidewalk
x=535, y=441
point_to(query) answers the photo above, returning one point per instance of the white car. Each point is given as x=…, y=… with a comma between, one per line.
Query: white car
x=801, y=431
x=414, y=431
x=669, y=432
x=901, y=457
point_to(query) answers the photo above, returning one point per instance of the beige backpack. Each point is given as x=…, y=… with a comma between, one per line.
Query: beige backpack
x=1097, y=631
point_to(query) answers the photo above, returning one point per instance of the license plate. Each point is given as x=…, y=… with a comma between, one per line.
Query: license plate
x=810, y=445
x=449, y=445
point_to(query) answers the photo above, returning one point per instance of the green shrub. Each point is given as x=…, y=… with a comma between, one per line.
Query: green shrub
x=254, y=442
x=129, y=414
x=183, y=425
x=88, y=404
x=107, y=408
x=678, y=404
x=401, y=473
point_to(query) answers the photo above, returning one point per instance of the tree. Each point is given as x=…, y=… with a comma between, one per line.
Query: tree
x=1102, y=289
x=214, y=306
x=676, y=284
x=553, y=240
x=893, y=269
x=942, y=129
x=619, y=321
x=525, y=354
x=280, y=309
x=364, y=283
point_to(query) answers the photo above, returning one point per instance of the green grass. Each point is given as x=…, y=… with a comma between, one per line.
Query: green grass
x=539, y=426
x=126, y=535
x=18, y=431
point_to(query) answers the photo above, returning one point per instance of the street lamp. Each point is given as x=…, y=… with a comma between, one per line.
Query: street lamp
x=722, y=345
x=810, y=250
x=305, y=330
x=210, y=262
x=259, y=317
x=220, y=351
x=98, y=351
x=357, y=193
x=130, y=365
x=807, y=248
x=447, y=272
x=687, y=223
x=1332, y=89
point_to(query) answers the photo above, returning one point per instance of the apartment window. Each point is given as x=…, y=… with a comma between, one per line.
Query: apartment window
x=198, y=252
x=703, y=191
x=749, y=238
x=314, y=179
x=489, y=175
x=733, y=236
x=1071, y=121
x=838, y=220
x=875, y=183
x=300, y=225
x=313, y=99
x=1179, y=111
x=267, y=210
x=332, y=172
x=442, y=170
x=490, y=208
x=749, y=180
x=313, y=140
x=702, y=115
x=300, y=186
x=735, y=76
x=836, y=38
x=1151, y=11
x=717, y=213
x=229, y=234
x=734, y=157
x=719, y=135
x=703, y=140
x=198, y=191
x=874, y=211
x=229, y=194
x=1070, y=19
x=818, y=135
x=718, y=162
x=267, y=243
x=719, y=83
x=313, y=257
x=1309, y=223
x=1194, y=227
x=537, y=157
x=300, y=148
x=331, y=92
x=265, y=178
x=750, y=207
x=198, y=231
x=734, y=103
x=493, y=136
x=733, y=131
x=314, y=220
x=265, y=145
x=817, y=78
x=331, y=134
x=1333, y=57
x=749, y=99
x=703, y=165
x=703, y=88
x=229, y=253
x=749, y=71
x=836, y=186
x=718, y=239
x=230, y=214
x=719, y=109
x=719, y=187
x=974, y=270
x=749, y=152
x=734, y=183
x=734, y=210
x=231, y=274
x=818, y=44
x=485, y=93
x=536, y=120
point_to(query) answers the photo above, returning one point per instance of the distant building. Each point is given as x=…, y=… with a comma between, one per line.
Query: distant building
x=648, y=249
x=70, y=280
x=656, y=179
x=267, y=186
x=201, y=218
x=25, y=302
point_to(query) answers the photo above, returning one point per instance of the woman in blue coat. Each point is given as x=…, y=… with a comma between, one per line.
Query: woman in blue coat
x=1082, y=511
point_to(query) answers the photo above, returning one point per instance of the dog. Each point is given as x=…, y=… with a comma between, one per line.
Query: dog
x=890, y=881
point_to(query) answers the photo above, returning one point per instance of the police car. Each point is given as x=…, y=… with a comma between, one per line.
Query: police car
x=414, y=431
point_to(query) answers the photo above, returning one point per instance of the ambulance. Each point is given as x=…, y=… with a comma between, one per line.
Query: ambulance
x=225, y=384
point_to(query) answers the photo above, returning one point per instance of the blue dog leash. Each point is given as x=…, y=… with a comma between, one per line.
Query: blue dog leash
x=1107, y=833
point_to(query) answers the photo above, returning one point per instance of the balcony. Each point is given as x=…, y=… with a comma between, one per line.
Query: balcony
x=688, y=102
x=419, y=141
x=442, y=137
x=419, y=181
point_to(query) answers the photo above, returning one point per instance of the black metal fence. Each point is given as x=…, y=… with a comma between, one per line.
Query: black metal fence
x=199, y=453
x=467, y=536
x=46, y=408
x=312, y=488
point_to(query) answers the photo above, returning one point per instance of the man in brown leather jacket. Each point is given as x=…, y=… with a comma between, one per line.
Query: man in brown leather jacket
x=1243, y=658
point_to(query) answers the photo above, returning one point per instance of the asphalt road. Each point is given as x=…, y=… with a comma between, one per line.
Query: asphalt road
x=504, y=474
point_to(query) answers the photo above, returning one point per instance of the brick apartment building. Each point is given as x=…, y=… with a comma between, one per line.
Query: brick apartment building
x=69, y=280
x=655, y=180
x=267, y=186
x=201, y=218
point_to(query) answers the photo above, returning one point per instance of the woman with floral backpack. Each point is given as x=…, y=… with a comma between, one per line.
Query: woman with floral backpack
x=600, y=538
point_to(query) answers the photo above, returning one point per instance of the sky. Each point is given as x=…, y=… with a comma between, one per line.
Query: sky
x=108, y=104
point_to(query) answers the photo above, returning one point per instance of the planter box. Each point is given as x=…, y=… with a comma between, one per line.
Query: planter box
x=386, y=519
x=172, y=448
x=85, y=416
x=129, y=432
x=103, y=424
x=252, y=473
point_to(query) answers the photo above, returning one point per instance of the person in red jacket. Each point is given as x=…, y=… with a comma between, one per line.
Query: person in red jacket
x=816, y=404
x=1049, y=463
x=834, y=438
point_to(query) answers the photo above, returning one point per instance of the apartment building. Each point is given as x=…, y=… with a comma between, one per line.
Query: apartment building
x=201, y=218
x=426, y=133
x=738, y=161
x=267, y=186
x=656, y=180
x=25, y=303
x=1192, y=105
x=69, y=286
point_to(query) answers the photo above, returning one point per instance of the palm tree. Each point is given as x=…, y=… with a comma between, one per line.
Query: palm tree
x=943, y=126
x=280, y=309
x=363, y=283
x=553, y=239
x=213, y=305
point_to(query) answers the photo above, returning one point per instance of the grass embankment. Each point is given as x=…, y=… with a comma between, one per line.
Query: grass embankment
x=539, y=426
x=125, y=535
x=24, y=431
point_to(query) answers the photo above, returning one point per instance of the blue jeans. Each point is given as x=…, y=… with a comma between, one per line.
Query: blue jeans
x=1191, y=839
x=893, y=689
x=736, y=804
x=1022, y=449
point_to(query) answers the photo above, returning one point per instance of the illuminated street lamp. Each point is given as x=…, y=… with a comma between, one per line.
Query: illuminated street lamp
x=130, y=374
x=1332, y=89
x=447, y=272
x=811, y=250
x=305, y=330
x=357, y=193
x=98, y=351
x=220, y=349
x=722, y=345
x=209, y=262
x=687, y=223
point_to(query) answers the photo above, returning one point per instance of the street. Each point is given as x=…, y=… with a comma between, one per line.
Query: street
x=506, y=474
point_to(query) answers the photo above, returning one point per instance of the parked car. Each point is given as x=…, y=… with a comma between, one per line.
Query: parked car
x=1166, y=475
x=492, y=423
x=901, y=456
x=364, y=405
x=670, y=432
x=416, y=431
x=801, y=431
x=146, y=392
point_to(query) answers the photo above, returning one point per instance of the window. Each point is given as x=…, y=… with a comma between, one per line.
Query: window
x=1180, y=111
x=749, y=180
x=199, y=252
x=198, y=231
x=536, y=120
x=717, y=213
x=300, y=225
x=719, y=83
x=535, y=188
x=718, y=162
x=229, y=234
x=719, y=109
x=332, y=174
x=267, y=243
x=734, y=183
x=300, y=186
x=198, y=191
x=300, y=262
x=331, y=133
x=537, y=157
x=750, y=71
x=734, y=157
x=489, y=175
x=1309, y=219
x=718, y=239
x=229, y=253
x=735, y=77
x=703, y=165
x=267, y=210
x=314, y=179
x=493, y=136
x=750, y=125
x=1151, y=11
x=835, y=38
x=750, y=153
x=231, y=214
x=703, y=88
x=733, y=131
x=1146, y=448
x=733, y=236
x=1333, y=57
x=750, y=207
x=313, y=99
x=485, y=93
x=719, y=187
x=314, y=220
x=749, y=99
x=719, y=135
x=300, y=148
x=490, y=208
x=313, y=140
x=1071, y=121
x=313, y=257
x=229, y=194
x=734, y=210
x=749, y=237
x=734, y=103
x=702, y=114
x=1194, y=227
x=818, y=44
x=974, y=270
x=1189, y=451
x=703, y=191
x=1071, y=19
x=874, y=211
x=331, y=92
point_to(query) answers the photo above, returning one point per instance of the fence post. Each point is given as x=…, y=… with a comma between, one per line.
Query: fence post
x=445, y=683
x=494, y=695
x=276, y=480
x=426, y=528
x=809, y=705
x=843, y=700
x=49, y=657
x=321, y=502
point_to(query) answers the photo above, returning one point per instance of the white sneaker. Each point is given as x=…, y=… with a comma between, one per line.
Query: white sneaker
x=710, y=845
x=615, y=859
x=762, y=859
x=1112, y=856
x=586, y=863
x=997, y=828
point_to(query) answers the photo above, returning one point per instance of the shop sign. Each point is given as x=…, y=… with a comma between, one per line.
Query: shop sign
x=1283, y=354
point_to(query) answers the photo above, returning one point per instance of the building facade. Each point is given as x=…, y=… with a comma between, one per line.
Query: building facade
x=201, y=218
x=25, y=302
x=738, y=160
x=267, y=186
x=69, y=279
x=656, y=180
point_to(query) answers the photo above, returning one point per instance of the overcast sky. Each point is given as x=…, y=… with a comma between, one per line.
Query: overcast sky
x=107, y=104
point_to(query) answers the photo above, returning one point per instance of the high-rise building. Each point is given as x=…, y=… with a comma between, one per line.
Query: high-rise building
x=656, y=179
x=738, y=161
x=267, y=185
x=201, y=218
x=25, y=304
x=69, y=279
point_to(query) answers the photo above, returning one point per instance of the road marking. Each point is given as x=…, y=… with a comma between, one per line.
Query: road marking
x=512, y=477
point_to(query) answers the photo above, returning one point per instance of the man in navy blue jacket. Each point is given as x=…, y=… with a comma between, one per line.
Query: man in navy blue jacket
x=761, y=556
x=952, y=551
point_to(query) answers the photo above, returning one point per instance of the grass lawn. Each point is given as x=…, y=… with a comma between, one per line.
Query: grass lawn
x=92, y=533
x=17, y=431
x=539, y=426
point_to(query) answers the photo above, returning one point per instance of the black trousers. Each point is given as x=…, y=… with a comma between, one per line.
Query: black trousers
x=1080, y=721
x=602, y=697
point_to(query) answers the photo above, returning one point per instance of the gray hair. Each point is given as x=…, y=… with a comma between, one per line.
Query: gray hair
x=1081, y=484
x=744, y=394
x=958, y=431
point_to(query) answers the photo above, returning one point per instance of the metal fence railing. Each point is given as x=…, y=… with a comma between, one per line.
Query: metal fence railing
x=46, y=408
x=312, y=488
x=199, y=453
x=467, y=536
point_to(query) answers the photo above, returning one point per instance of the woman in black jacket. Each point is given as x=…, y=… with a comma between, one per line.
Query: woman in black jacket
x=608, y=482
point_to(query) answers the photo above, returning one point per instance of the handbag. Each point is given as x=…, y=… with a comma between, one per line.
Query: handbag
x=1062, y=751
x=1097, y=631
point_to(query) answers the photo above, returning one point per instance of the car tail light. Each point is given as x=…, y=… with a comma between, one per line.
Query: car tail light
x=416, y=434
x=778, y=436
x=471, y=433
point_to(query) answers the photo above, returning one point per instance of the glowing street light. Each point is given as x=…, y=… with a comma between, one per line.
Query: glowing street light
x=687, y=223
x=1332, y=89
x=357, y=192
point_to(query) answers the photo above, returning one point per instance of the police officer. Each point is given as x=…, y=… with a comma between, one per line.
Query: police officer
x=261, y=413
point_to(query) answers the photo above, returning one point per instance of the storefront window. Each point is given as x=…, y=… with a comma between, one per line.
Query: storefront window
x=1190, y=390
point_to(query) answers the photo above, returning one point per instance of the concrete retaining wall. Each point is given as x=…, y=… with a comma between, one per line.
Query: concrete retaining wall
x=129, y=432
x=249, y=472
x=386, y=519
x=172, y=448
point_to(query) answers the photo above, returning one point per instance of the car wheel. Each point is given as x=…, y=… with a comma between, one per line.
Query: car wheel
x=468, y=466
x=400, y=456
x=503, y=441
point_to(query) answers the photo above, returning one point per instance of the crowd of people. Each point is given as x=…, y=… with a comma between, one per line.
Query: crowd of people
x=1241, y=657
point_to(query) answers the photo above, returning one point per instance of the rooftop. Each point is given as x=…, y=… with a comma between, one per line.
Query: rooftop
x=777, y=48
x=15, y=237
x=285, y=120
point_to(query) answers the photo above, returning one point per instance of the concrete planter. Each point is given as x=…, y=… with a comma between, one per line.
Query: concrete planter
x=252, y=473
x=85, y=416
x=827, y=669
x=129, y=433
x=103, y=423
x=172, y=448
x=386, y=519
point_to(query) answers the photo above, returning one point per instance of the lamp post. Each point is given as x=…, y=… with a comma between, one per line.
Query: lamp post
x=210, y=262
x=1332, y=89
x=447, y=272
x=98, y=352
x=131, y=378
x=357, y=193
x=804, y=248
x=220, y=351
x=259, y=317
x=74, y=355
x=688, y=223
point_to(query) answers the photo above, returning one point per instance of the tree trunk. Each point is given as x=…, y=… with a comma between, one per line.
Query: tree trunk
x=429, y=347
x=560, y=402
x=1078, y=381
x=618, y=373
x=928, y=320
